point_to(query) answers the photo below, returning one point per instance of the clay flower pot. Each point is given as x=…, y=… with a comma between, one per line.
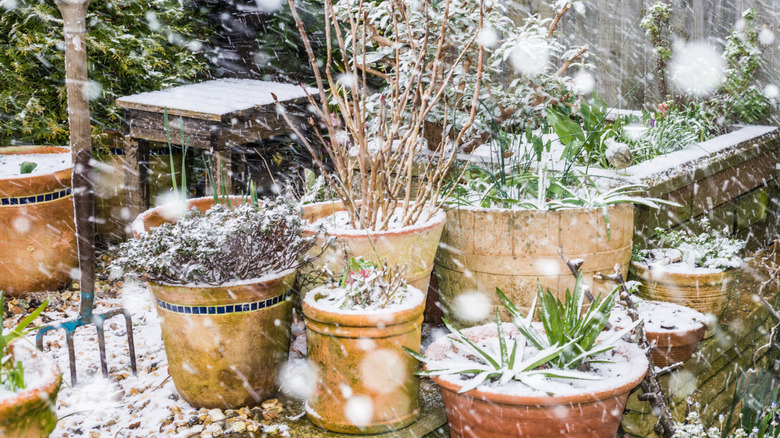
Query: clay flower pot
x=493, y=412
x=32, y=412
x=413, y=246
x=225, y=344
x=676, y=330
x=513, y=249
x=38, y=239
x=363, y=381
x=705, y=292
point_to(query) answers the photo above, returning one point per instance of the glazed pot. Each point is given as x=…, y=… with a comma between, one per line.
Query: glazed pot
x=707, y=293
x=514, y=249
x=32, y=412
x=225, y=344
x=110, y=194
x=38, y=239
x=360, y=367
x=481, y=413
x=413, y=246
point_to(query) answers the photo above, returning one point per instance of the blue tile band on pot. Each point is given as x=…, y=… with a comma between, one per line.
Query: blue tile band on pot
x=36, y=199
x=225, y=309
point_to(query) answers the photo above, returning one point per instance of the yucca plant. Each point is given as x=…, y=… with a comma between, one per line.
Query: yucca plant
x=12, y=370
x=562, y=350
x=565, y=323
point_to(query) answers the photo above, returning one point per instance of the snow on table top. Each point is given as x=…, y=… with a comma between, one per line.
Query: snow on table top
x=218, y=97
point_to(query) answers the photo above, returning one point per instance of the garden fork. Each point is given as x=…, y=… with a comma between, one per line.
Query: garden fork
x=74, y=16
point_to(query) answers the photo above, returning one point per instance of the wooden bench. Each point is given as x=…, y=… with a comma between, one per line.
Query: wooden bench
x=215, y=116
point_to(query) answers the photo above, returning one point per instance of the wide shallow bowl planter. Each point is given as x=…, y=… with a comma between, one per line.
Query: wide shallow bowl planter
x=32, y=412
x=707, y=293
x=225, y=344
x=38, y=238
x=482, y=413
x=513, y=249
x=413, y=246
x=676, y=330
x=363, y=380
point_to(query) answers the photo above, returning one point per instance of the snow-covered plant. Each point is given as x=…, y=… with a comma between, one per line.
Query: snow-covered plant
x=518, y=68
x=12, y=370
x=219, y=245
x=566, y=324
x=501, y=360
x=561, y=350
x=711, y=248
x=366, y=285
x=656, y=26
x=375, y=140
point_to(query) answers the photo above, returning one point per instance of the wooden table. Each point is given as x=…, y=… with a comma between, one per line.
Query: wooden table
x=215, y=116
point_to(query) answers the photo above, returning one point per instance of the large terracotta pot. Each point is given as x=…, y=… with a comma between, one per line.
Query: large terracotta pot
x=708, y=293
x=413, y=246
x=37, y=239
x=225, y=345
x=110, y=193
x=483, y=414
x=359, y=363
x=514, y=249
x=32, y=412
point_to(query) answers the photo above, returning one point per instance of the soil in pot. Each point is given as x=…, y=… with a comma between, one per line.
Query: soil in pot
x=363, y=381
x=676, y=330
x=575, y=408
x=413, y=246
x=514, y=249
x=38, y=241
x=31, y=413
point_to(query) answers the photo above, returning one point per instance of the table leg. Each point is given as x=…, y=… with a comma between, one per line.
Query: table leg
x=136, y=175
x=221, y=170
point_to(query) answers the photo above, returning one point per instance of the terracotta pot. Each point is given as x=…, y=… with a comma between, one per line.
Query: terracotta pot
x=413, y=246
x=482, y=414
x=358, y=359
x=110, y=193
x=38, y=239
x=513, y=249
x=708, y=293
x=32, y=412
x=672, y=345
x=225, y=345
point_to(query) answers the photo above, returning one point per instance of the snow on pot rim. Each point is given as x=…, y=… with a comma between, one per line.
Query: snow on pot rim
x=626, y=373
x=269, y=277
x=41, y=375
x=411, y=308
x=49, y=159
x=311, y=211
x=665, y=274
x=661, y=317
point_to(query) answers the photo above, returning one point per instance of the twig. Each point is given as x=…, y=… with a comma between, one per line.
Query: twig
x=557, y=18
x=653, y=393
x=769, y=307
x=577, y=56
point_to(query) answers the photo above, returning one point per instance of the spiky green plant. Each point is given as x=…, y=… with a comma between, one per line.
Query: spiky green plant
x=12, y=370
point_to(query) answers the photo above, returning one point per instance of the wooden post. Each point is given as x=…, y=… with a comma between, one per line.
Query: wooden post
x=74, y=15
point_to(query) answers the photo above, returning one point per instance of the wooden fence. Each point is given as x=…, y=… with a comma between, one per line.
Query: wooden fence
x=624, y=62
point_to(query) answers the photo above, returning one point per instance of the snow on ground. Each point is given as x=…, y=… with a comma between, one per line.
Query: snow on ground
x=124, y=405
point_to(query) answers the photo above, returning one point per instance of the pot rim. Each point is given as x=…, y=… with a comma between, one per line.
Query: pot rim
x=30, y=150
x=363, y=319
x=31, y=394
x=436, y=220
x=645, y=273
x=454, y=208
x=624, y=384
x=267, y=278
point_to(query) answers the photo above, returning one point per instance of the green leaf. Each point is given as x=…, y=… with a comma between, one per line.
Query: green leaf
x=464, y=340
x=27, y=167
